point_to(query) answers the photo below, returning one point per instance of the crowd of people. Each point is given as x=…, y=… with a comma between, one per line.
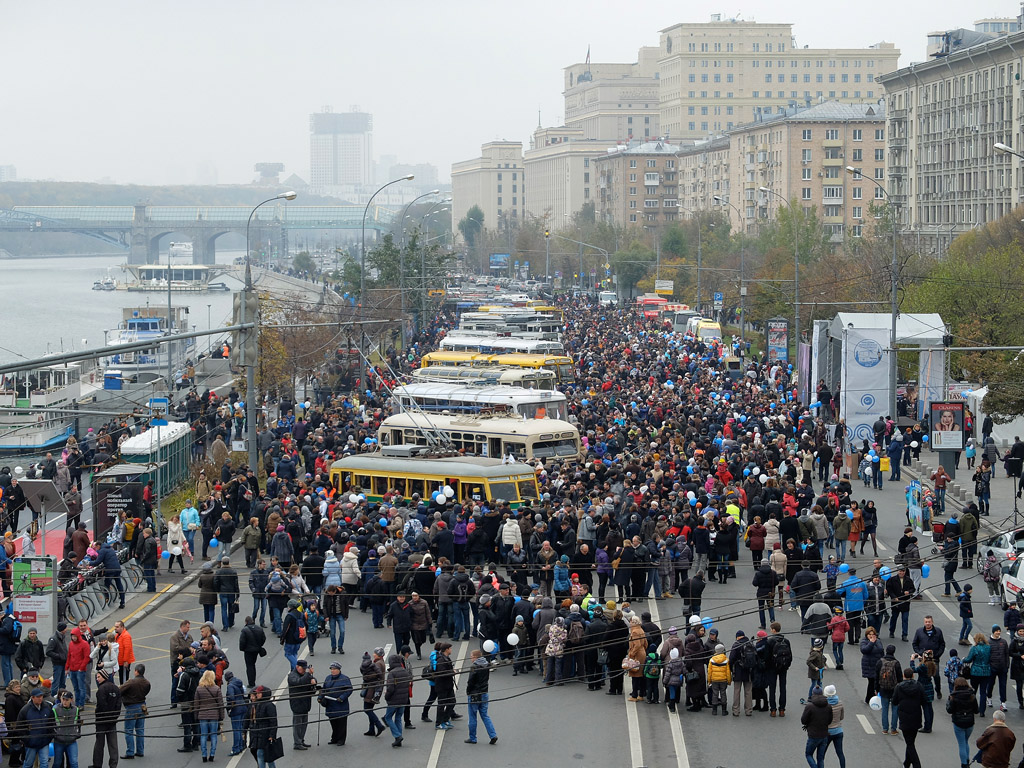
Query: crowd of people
x=683, y=467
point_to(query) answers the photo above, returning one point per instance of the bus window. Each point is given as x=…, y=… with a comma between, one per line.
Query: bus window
x=506, y=491
x=363, y=481
x=380, y=485
x=527, y=489
x=398, y=483
x=416, y=486
x=518, y=451
x=454, y=483
x=550, y=448
x=476, y=492
x=565, y=372
x=494, y=448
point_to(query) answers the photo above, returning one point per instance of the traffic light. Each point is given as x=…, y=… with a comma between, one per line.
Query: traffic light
x=547, y=233
x=243, y=342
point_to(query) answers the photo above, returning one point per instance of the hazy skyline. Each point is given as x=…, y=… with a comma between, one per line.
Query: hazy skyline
x=172, y=93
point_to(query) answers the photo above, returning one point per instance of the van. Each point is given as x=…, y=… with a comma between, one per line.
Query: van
x=607, y=298
x=709, y=330
x=693, y=323
x=734, y=368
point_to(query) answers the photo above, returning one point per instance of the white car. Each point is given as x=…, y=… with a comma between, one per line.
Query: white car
x=608, y=298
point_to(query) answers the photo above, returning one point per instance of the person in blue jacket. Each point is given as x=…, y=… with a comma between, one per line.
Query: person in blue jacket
x=111, y=569
x=895, y=452
x=854, y=594
x=334, y=694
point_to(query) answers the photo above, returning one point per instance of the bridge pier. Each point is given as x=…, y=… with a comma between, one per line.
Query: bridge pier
x=204, y=249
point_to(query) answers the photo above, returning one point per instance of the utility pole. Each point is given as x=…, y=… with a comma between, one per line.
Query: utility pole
x=547, y=255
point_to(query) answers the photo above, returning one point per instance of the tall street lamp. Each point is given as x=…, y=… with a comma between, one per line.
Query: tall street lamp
x=250, y=371
x=796, y=271
x=700, y=251
x=743, y=288
x=362, y=247
x=401, y=261
x=893, y=308
x=423, y=259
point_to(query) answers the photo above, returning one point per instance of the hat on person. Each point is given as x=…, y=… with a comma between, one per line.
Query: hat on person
x=300, y=663
x=995, y=628
x=761, y=634
x=225, y=560
x=719, y=648
x=816, y=691
x=335, y=665
x=890, y=650
x=574, y=608
x=672, y=630
x=378, y=651
x=830, y=690
x=293, y=603
x=37, y=692
x=66, y=694
x=740, y=633
x=610, y=605
x=694, y=621
x=817, y=642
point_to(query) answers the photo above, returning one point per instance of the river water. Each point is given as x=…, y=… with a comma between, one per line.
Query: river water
x=49, y=305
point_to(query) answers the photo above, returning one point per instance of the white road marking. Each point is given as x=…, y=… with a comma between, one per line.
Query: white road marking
x=678, y=742
x=934, y=599
x=866, y=724
x=636, y=751
x=435, y=749
x=881, y=546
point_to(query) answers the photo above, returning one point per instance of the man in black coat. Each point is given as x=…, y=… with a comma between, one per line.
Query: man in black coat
x=765, y=581
x=691, y=591
x=301, y=688
x=262, y=722
x=909, y=699
x=900, y=589
x=805, y=587
x=225, y=581
x=251, y=641
x=930, y=638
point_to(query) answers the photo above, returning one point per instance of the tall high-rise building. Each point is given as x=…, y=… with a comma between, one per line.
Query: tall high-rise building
x=495, y=181
x=8, y=173
x=615, y=102
x=340, y=149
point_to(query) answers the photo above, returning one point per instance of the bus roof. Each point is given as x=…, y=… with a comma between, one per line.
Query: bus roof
x=512, y=425
x=513, y=358
x=493, y=395
x=468, y=466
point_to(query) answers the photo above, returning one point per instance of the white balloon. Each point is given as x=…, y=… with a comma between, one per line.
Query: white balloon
x=755, y=471
x=490, y=646
x=913, y=444
x=353, y=498
x=691, y=495
x=21, y=471
x=449, y=491
x=513, y=639
x=875, y=703
x=763, y=479
x=176, y=551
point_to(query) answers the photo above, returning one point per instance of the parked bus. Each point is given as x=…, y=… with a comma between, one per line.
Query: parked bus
x=560, y=365
x=490, y=436
x=498, y=375
x=651, y=304
x=476, y=478
x=500, y=344
x=527, y=404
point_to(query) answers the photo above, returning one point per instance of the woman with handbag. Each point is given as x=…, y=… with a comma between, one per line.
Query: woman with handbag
x=633, y=663
x=209, y=711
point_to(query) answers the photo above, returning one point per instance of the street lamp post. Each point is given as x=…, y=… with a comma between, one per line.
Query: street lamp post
x=250, y=371
x=423, y=260
x=401, y=264
x=700, y=251
x=796, y=271
x=362, y=247
x=743, y=288
x=893, y=308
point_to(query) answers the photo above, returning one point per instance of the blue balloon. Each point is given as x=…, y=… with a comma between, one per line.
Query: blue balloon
x=871, y=452
x=885, y=572
x=844, y=568
x=214, y=543
x=707, y=621
x=926, y=570
x=743, y=419
x=924, y=438
x=746, y=472
x=693, y=502
x=771, y=405
x=727, y=396
x=383, y=522
x=368, y=441
x=849, y=513
x=689, y=470
x=166, y=554
x=876, y=458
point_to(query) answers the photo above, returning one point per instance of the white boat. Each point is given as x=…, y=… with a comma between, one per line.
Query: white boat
x=106, y=284
x=188, y=278
x=144, y=323
x=25, y=424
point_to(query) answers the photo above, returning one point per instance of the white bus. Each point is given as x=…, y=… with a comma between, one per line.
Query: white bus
x=498, y=375
x=491, y=436
x=457, y=342
x=535, y=404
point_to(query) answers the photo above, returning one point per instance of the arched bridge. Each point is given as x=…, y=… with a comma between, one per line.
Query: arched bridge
x=138, y=228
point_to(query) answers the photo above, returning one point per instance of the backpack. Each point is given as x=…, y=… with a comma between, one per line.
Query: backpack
x=890, y=675
x=748, y=656
x=575, y=634
x=463, y=591
x=782, y=653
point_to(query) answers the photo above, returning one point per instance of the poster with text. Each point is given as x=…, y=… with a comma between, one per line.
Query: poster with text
x=947, y=426
x=777, y=339
x=865, y=379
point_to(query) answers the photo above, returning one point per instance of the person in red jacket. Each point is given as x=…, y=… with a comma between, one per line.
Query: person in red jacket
x=77, y=664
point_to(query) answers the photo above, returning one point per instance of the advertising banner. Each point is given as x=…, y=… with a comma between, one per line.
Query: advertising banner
x=34, y=593
x=665, y=287
x=914, y=506
x=499, y=260
x=947, y=425
x=777, y=342
x=865, y=377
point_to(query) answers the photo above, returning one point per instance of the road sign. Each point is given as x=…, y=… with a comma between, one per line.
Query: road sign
x=718, y=300
x=666, y=287
x=158, y=422
x=607, y=265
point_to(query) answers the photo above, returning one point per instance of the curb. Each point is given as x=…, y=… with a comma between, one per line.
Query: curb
x=166, y=595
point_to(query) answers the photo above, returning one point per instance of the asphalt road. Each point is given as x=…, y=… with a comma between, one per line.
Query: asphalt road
x=571, y=724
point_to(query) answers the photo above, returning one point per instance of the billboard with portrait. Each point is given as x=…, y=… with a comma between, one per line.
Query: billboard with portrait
x=947, y=426
x=777, y=341
x=499, y=260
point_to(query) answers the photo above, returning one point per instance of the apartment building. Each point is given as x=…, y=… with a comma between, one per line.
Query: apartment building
x=802, y=158
x=704, y=175
x=945, y=118
x=718, y=75
x=638, y=185
x=611, y=101
x=562, y=179
x=495, y=181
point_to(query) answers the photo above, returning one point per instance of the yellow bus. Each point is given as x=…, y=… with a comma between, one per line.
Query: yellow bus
x=560, y=365
x=470, y=478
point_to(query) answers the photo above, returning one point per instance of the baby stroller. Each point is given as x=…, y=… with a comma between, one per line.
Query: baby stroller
x=938, y=535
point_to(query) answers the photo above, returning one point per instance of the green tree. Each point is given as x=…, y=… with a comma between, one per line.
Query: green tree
x=471, y=225
x=303, y=262
x=632, y=264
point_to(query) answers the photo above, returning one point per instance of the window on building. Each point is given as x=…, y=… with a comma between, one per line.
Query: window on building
x=879, y=173
x=692, y=78
x=651, y=190
x=858, y=212
x=879, y=155
x=652, y=163
x=858, y=155
x=515, y=188
x=858, y=193
x=499, y=189
x=650, y=203
x=632, y=203
x=704, y=110
x=857, y=230
x=586, y=178
x=632, y=190
x=805, y=134
x=499, y=175
x=805, y=174
x=691, y=110
x=831, y=77
x=728, y=77
x=832, y=193
x=831, y=134
x=632, y=163
x=805, y=155
x=832, y=172
x=833, y=210
x=858, y=134
x=879, y=194
x=632, y=218
x=805, y=193
x=515, y=201
x=728, y=110
x=692, y=126
x=879, y=134
x=632, y=177
x=499, y=201
x=817, y=78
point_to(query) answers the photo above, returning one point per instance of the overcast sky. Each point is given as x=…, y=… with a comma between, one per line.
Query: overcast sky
x=160, y=92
